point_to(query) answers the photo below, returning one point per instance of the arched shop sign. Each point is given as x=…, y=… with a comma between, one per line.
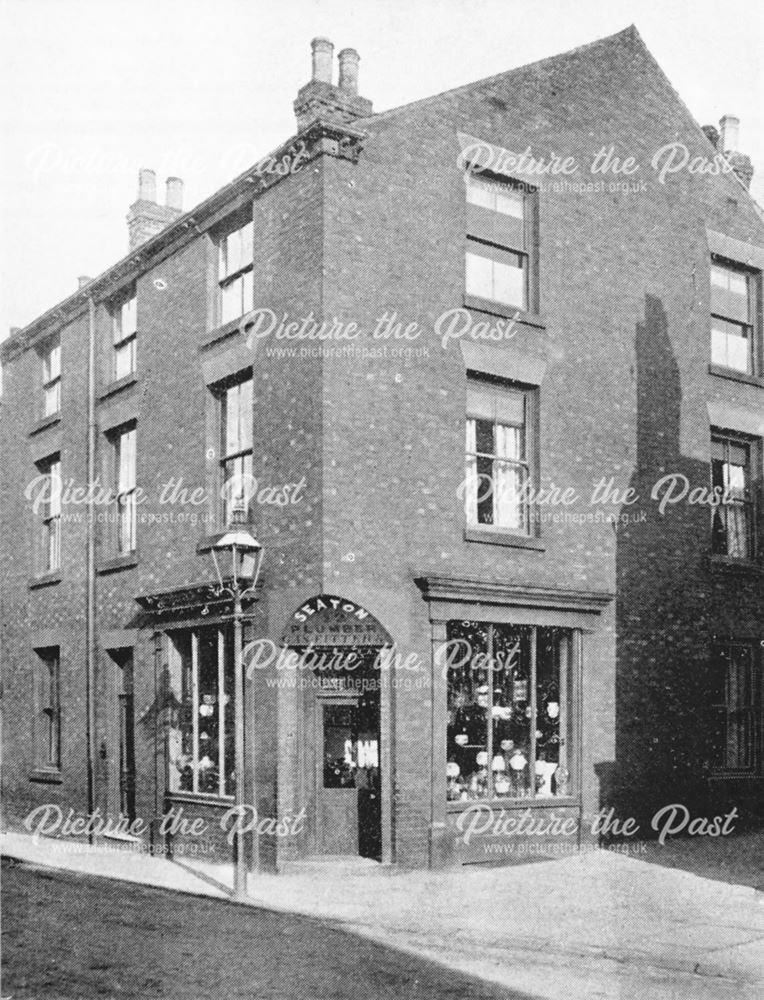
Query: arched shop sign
x=328, y=621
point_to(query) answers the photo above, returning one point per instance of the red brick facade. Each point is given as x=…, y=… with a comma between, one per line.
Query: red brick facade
x=375, y=224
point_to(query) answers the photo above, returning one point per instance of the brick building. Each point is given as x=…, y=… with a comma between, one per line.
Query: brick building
x=406, y=355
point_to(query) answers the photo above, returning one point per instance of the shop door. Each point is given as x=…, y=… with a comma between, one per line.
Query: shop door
x=348, y=819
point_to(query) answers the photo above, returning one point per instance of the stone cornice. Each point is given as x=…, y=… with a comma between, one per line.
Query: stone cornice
x=476, y=591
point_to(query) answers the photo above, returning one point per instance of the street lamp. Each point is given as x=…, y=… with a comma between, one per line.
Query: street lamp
x=246, y=557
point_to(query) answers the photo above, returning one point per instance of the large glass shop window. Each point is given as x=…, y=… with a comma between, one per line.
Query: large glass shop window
x=510, y=722
x=201, y=735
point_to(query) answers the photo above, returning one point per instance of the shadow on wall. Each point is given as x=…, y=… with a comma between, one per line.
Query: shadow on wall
x=670, y=606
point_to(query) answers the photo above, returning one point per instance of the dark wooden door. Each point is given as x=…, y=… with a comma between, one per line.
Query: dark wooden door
x=337, y=794
x=126, y=707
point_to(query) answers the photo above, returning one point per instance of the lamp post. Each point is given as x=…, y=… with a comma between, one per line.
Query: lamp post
x=246, y=557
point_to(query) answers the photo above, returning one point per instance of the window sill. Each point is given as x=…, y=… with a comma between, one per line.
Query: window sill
x=225, y=331
x=44, y=580
x=118, y=385
x=46, y=776
x=736, y=376
x=202, y=799
x=732, y=565
x=735, y=776
x=506, y=538
x=44, y=423
x=509, y=312
x=553, y=802
x=118, y=563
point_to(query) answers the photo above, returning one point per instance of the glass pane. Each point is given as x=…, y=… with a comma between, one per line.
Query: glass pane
x=718, y=276
x=247, y=291
x=126, y=460
x=738, y=531
x=512, y=723
x=129, y=317
x=509, y=202
x=52, y=399
x=126, y=527
x=484, y=440
x=471, y=483
x=245, y=415
x=510, y=497
x=124, y=359
x=180, y=704
x=231, y=300
x=468, y=706
x=486, y=490
x=232, y=418
x=738, y=349
x=52, y=363
x=509, y=283
x=53, y=555
x=479, y=276
x=246, y=244
x=510, y=442
x=340, y=746
x=719, y=342
x=511, y=711
x=548, y=704
x=56, y=486
x=480, y=192
x=208, y=722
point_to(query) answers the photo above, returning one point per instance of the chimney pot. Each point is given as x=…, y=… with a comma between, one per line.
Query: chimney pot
x=147, y=185
x=729, y=127
x=83, y=280
x=349, y=60
x=174, y=194
x=322, y=50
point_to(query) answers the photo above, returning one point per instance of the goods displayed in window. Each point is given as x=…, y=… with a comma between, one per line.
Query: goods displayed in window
x=509, y=711
x=201, y=736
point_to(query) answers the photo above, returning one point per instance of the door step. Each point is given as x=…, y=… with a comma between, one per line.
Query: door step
x=343, y=865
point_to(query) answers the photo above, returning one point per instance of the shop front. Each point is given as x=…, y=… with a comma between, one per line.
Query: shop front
x=459, y=761
x=511, y=665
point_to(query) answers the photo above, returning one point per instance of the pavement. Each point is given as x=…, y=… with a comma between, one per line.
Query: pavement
x=594, y=925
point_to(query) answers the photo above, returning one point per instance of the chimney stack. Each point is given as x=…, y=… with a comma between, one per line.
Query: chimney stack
x=729, y=141
x=322, y=100
x=349, y=60
x=174, y=194
x=729, y=138
x=147, y=185
x=146, y=217
x=322, y=50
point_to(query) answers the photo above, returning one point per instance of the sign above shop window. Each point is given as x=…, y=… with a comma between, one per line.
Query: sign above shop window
x=333, y=621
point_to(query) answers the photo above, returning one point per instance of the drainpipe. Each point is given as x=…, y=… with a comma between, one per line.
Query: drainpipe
x=90, y=599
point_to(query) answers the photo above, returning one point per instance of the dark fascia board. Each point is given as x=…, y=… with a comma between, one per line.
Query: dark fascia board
x=187, y=227
x=477, y=591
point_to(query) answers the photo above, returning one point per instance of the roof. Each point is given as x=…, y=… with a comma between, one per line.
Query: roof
x=139, y=259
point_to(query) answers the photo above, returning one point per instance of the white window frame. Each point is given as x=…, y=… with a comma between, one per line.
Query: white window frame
x=491, y=395
x=51, y=378
x=236, y=273
x=125, y=337
x=125, y=444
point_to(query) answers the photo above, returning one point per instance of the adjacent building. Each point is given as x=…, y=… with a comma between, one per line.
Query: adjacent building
x=475, y=372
